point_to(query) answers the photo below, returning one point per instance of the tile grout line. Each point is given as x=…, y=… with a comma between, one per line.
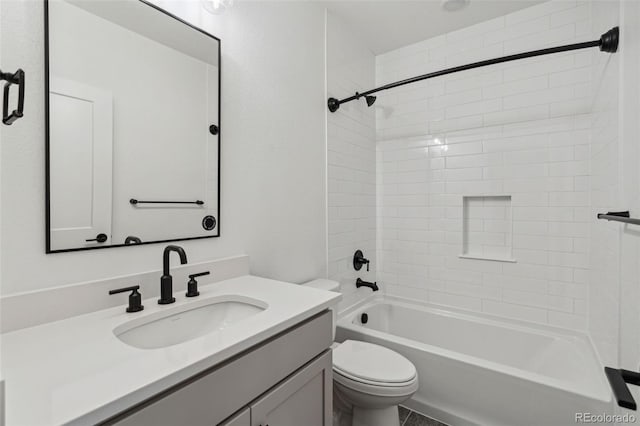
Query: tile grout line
x=406, y=418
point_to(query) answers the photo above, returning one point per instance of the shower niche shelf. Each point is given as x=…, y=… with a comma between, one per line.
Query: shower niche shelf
x=487, y=228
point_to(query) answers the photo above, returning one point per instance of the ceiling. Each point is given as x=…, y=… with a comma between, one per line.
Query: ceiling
x=386, y=25
x=158, y=26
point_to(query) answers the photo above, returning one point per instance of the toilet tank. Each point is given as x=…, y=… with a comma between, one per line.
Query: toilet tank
x=328, y=285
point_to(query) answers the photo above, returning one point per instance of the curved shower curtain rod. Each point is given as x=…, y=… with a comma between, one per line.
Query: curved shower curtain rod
x=608, y=42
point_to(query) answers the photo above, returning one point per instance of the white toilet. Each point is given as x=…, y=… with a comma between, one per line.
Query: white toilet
x=369, y=381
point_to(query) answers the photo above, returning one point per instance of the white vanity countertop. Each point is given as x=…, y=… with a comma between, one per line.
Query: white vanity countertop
x=76, y=371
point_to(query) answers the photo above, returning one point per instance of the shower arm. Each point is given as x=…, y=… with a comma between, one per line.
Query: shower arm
x=608, y=42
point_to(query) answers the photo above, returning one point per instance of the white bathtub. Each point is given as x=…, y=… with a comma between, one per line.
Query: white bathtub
x=476, y=369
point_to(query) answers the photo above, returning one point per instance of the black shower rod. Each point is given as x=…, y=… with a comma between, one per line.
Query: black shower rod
x=608, y=42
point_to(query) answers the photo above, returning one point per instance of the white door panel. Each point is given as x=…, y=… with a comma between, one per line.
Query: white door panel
x=80, y=148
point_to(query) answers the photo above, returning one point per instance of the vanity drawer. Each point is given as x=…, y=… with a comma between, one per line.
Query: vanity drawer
x=215, y=394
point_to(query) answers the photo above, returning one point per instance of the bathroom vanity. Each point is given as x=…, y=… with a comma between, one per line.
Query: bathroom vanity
x=267, y=384
x=266, y=365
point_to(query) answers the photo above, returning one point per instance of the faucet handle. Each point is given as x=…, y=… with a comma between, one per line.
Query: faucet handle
x=359, y=260
x=135, y=298
x=199, y=274
x=192, y=285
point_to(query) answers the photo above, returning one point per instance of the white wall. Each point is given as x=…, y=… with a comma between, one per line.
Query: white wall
x=630, y=242
x=273, y=150
x=520, y=129
x=351, y=158
x=614, y=315
x=604, y=306
x=2, y=409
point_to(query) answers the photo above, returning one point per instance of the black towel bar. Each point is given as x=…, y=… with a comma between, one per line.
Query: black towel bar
x=623, y=217
x=135, y=202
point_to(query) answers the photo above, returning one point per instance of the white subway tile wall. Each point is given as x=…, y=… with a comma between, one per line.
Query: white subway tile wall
x=351, y=155
x=521, y=129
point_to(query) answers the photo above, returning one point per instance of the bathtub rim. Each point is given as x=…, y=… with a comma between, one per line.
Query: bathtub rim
x=602, y=394
x=529, y=326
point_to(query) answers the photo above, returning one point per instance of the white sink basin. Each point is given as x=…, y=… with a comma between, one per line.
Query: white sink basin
x=187, y=322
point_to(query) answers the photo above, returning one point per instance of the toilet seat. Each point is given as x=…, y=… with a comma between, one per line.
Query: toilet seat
x=383, y=390
x=373, y=369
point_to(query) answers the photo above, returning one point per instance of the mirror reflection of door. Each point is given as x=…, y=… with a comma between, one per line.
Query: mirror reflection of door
x=80, y=153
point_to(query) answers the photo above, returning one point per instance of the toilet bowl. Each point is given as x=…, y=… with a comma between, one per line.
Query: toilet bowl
x=369, y=380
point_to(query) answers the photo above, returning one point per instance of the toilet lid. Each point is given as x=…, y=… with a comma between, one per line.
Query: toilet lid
x=374, y=363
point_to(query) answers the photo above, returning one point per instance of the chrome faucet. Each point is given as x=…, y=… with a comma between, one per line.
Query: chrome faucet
x=166, y=281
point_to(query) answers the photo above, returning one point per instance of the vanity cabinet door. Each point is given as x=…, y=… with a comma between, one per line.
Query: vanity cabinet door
x=303, y=399
x=241, y=419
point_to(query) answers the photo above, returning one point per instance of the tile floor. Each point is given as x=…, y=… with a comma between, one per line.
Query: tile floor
x=411, y=418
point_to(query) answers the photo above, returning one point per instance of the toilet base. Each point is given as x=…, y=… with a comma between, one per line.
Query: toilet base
x=376, y=416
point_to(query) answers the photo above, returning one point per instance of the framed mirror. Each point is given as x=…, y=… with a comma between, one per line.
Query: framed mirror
x=132, y=126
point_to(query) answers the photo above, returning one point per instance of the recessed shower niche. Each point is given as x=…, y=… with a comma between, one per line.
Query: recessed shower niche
x=487, y=228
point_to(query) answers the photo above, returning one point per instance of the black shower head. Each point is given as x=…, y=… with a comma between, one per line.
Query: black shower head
x=370, y=100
